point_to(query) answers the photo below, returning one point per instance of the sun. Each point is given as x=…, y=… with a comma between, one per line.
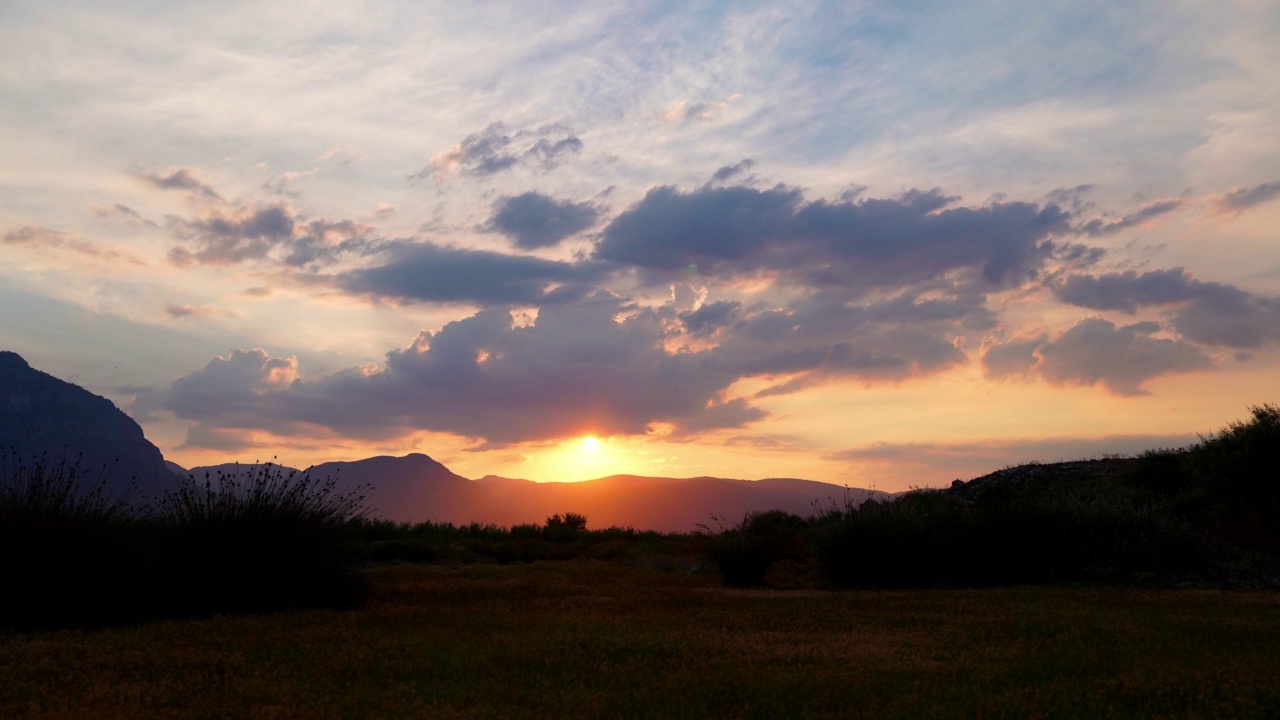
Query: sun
x=591, y=444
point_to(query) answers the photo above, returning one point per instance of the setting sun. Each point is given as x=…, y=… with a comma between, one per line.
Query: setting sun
x=591, y=444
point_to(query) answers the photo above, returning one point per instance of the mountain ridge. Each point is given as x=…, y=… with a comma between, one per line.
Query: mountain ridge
x=415, y=488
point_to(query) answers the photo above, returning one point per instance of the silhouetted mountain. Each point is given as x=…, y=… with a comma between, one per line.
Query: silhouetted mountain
x=41, y=414
x=660, y=503
x=415, y=488
x=412, y=488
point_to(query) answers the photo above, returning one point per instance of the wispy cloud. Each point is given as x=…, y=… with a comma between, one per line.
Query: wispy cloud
x=1241, y=199
x=181, y=179
x=497, y=148
x=44, y=238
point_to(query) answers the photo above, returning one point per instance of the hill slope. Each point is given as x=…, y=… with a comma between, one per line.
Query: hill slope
x=41, y=414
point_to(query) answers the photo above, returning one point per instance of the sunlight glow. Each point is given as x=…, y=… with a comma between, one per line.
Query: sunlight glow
x=591, y=444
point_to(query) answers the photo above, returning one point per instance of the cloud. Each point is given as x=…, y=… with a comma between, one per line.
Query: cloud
x=130, y=215
x=1206, y=312
x=281, y=184
x=968, y=459
x=683, y=111
x=739, y=231
x=177, y=312
x=823, y=338
x=44, y=238
x=711, y=316
x=1243, y=198
x=424, y=272
x=728, y=172
x=496, y=149
x=1095, y=351
x=1099, y=227
x=534, y=220
x=1126, y=291
x=179, y=179
x=1014, y=358
x=580, y=368
x=275, y=233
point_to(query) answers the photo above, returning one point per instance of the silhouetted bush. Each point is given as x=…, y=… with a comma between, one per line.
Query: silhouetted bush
x=74, y=553
x=744, y=552
x=264, y=540
x=566, y=528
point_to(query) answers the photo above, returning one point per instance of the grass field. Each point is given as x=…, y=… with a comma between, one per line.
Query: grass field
x=598, y=639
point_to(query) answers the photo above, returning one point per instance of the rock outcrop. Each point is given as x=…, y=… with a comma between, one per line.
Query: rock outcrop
x=41, y=415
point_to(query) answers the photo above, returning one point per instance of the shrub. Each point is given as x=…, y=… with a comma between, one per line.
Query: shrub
x=264, y=540
x=75, y=553
x=917, y=539
x=744, y=552
x=564, y=528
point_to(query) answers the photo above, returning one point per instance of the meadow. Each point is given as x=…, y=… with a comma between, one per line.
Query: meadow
x=1141, y=587
x=587, y=638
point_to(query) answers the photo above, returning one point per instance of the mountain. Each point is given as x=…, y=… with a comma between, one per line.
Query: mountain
x=42, y=415
x=415, y=488
x=660, y=503
x=412, y=488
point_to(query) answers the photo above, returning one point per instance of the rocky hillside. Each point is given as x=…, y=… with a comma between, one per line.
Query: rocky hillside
x=41, y=414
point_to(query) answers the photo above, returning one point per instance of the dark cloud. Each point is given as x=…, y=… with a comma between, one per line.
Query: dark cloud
x=581, y=368
x=1126, y=291
x=275, y=232
x=825, y=338
x=740, y=231
x=1073, y=197
x=711, y=316
x=589, y=363
x=1225, y=315
x=1014, y=358
x=179, y=179
x=1244, y=198
x=1095, y=351
x=1099, y=227
x=1204, y=312
x=728, y=172
x=496, y=148
x=549, y=154
x=429, y=273
x=533, y=220
x=711, y=228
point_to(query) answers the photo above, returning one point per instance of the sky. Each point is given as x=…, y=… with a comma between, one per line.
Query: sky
x=882, y=244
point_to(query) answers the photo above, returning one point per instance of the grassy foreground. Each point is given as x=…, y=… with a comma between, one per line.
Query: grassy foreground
x=600, y=639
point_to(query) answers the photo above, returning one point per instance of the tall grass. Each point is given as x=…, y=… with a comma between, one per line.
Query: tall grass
x=77, y=554
x=265, y=539
x=71, y=547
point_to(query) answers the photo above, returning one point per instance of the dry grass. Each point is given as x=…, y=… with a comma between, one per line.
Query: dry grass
x=593, y=639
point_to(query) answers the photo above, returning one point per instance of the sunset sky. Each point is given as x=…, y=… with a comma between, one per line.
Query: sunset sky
x=874, y=243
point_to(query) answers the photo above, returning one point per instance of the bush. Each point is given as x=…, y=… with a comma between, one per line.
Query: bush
x=744, y=552
x=1004, y=533
x=918, y=539
x=264, y=540
x=75, y=553
x=566, y=528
